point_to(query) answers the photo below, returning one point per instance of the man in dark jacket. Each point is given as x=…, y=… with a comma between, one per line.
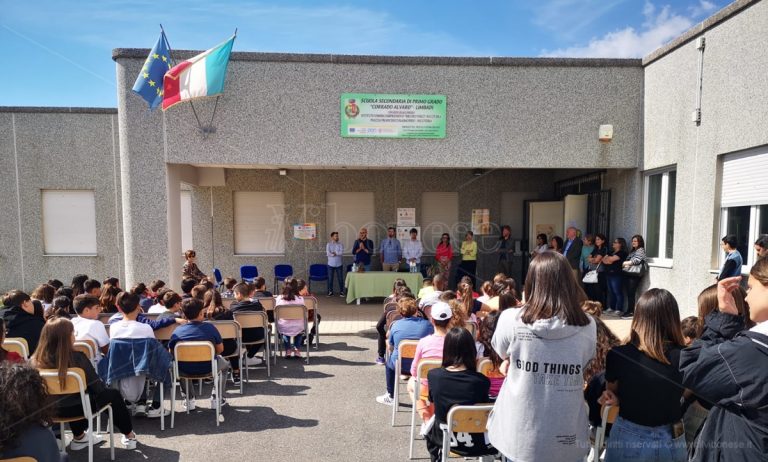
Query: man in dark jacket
x=21, y=318
x=728, y=368
x=572, y=250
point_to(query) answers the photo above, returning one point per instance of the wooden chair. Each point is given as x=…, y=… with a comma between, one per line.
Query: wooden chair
x=195, y=351
x=104, y=317
x=312, y=307
x=289, y=312
x=392, y=316
x=165, y=333
x=226, y=302
x=425, y=365
x=406, y=349
x=484, y=366
x=88, y=348
x=269, y=307
x=230, y=330
x=608, y=415
x=20, y=459
x=252, y=320
x=465, y=419
x=472, y=328
x=75, y=384
x=17, y=345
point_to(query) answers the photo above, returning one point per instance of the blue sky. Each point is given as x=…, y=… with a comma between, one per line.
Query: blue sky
x=58, y=53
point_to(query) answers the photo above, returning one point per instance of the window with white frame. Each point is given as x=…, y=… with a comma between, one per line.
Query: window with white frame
x=659, y=218
x=346, y=213
x=439, y=214
x=259, y=223
x=69, y=222
x=744, y=202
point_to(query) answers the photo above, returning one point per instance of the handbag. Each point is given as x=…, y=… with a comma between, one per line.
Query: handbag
x=591, y=276
x=636, y=271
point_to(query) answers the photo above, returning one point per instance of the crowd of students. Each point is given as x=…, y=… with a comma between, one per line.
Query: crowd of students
x=55, y=316
x=691, y=389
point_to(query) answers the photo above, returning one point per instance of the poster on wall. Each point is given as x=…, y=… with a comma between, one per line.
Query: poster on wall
x=481, y=221
x=404, y=233
x=406, y=217
x=370, y=115
x=305, y=232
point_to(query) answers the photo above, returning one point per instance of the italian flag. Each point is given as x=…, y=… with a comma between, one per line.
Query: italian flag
x=200, y=76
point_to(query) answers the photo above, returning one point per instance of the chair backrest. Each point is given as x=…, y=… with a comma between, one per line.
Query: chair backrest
x=407, y=348
x=484, y=366
x=165, y=332
x=251, y=319
x=469, y=419
x=227, y=329
x=471, y=327
x=104, y=317
x=391, y=306
x=74, y=383
x=310, y=303
x=249, y=272
x=18, y=345
x=196, y=351
x=283, y=271
x=20, y=459
x=609, y=413
x=393, y=316
x=318, y=272
x=267, y=302
x=227, y=302
x=217, y=276
x=152, y=316
x=85, y=347
x=291, y=312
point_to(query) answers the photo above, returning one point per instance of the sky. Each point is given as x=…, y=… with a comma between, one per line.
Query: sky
x=59, y=53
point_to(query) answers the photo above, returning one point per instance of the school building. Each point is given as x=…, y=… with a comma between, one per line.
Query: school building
x=124, y=191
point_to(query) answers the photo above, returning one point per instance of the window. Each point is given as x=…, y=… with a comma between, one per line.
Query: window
x=69, y=222
x=186, y=221
x=346, y=213
x=744, y=202
x=439, y=214
x=259, y=223
x=659, y=226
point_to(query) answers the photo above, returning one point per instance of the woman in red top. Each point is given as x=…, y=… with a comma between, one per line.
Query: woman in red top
x=10, y=356
x=444, y=255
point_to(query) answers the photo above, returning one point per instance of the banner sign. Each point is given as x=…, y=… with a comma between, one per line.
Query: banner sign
x=481, y=221
x=365, y=115
x=305, y=231
x=406, y=217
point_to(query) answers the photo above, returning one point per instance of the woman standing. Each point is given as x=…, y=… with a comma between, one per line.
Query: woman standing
x=597, y=291
x=468, y=265
x=541, y=245
x=505, y=251
x=643, y=379
x=549, y=342
x=588, y=246
x=556, y=244
x=614, y=277
x=443, y=256
x=636, y=257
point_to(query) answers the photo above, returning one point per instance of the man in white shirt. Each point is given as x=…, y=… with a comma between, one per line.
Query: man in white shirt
x=87, y=324
x=412, y=249
x=334, y=251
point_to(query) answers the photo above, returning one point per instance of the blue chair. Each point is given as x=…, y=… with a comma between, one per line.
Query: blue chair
x=318, y=272
x=281, y=272
x=249, y=273
x=219, y=278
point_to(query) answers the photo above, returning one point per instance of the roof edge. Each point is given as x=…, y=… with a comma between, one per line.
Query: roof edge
x=721, y=16
x=59, y=110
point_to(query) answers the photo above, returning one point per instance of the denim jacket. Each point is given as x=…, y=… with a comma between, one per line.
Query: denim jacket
x=133, y=357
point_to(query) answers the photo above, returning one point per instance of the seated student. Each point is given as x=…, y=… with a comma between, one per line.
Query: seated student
x=485, y=350
x=187, y=284
x=466, y=280
x=197, y=330
x=154, y=324
x=92, y=287
x=426, y=288
x=381, y=326
x=261, y=288
x=429, y=347
x=158, y=307
x=111, y=281
x=399, y=282
x=199, y=291
x=229, y=283
x=244, y=302
x=26, y=416
x=61, y=308
x=10, y=356
x=291, y=327
x=439, y=284
x=190, y=269
x=108, y=299
x=301, y=285
x=87, y=324
x=56, y=352
x=486, y=290
x=457, y=382
x=409, y=327
x=44, y=293
x=55, y=283
x=21, y=318
x=594, y=373
x=145, y=301
x=690, y=326
x=172, y=303
x=77, y=284
x=155, y=287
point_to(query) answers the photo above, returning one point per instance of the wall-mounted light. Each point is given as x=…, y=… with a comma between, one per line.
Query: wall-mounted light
x=605, y=133
x=282, y=172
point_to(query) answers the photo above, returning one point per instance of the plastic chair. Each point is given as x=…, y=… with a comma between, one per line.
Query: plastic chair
x=18, y=345
x=392, y=316
x=249, y=273
x=269, y=307
x=230, y=330
x=75, y=383
x=312, y=309
x=484, y=366
x=219, y=278
x=317, y=272
x=465, y=419
x=88, y=348
x=195, y=351
x=289, y=312
x=406, y=349
x=608, y=415
x=253, y=320
x=472, y=328
x=281, y=272
x=425, y=365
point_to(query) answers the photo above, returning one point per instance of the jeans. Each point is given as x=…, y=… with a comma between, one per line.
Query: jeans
x=638, y=443
x=339, y=272
x=297, y=340
x=615, y=291
x=405, y=365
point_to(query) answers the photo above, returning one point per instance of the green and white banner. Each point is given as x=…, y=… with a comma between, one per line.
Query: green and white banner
x=365, y=115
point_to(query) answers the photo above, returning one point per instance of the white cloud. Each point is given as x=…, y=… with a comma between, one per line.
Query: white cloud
x=659, y=27
x=567, y=18
x=704, y=7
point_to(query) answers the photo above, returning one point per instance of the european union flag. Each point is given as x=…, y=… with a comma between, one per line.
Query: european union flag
x=149, y=83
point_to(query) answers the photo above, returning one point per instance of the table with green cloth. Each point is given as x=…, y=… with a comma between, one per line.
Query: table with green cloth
x=378, y=284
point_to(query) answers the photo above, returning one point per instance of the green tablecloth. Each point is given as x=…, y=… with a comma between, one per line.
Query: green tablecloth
x=378, y=283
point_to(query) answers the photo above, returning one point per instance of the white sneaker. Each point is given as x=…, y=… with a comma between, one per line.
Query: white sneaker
x=129, y=443
x=140, y=410
x=213, y=402
x=385, y=399
x=77, y=445
x=189, y=405
x=253, y=361
x=155, y=413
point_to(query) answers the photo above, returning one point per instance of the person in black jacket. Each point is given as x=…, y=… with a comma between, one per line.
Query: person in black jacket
x=22, y=318
x=728, y=367
x=243, y=303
